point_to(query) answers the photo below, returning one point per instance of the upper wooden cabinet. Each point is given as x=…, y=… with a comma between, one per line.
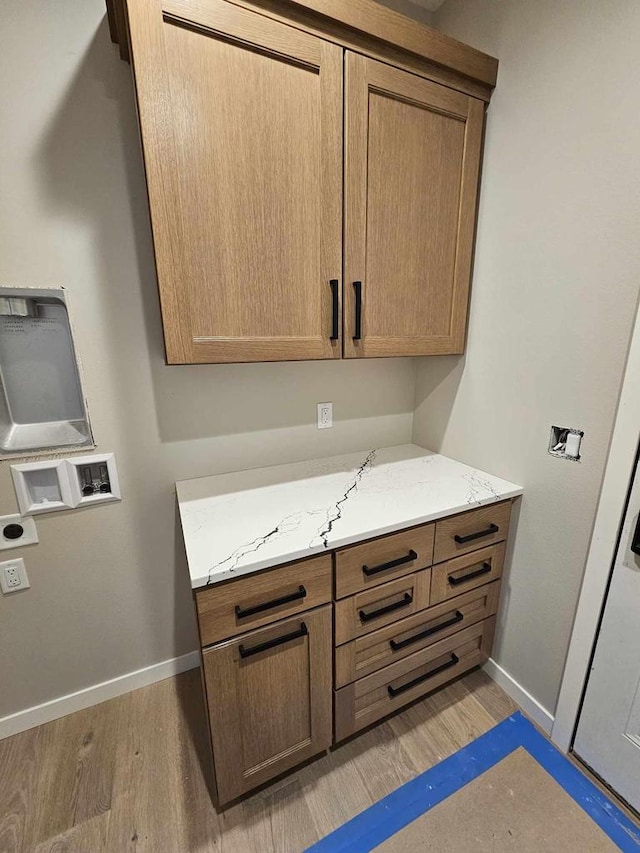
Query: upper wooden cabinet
x=241, y=107
x=412, y=157
x=242, y=135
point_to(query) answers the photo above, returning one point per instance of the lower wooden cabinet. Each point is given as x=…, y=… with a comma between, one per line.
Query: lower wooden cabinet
x=303, y=655
x=269, y=699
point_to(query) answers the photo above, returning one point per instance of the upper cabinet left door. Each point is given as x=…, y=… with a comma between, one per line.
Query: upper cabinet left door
x=241, y=122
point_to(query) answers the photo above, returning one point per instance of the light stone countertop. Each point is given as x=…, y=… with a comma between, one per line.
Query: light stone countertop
x=235, y=524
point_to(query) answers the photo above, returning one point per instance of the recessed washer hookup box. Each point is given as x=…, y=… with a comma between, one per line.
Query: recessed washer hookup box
x=42, y=405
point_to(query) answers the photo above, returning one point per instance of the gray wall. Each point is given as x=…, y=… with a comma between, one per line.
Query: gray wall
x=410, y=8
x=554, y=293
x=109, y=586
x=556, y=281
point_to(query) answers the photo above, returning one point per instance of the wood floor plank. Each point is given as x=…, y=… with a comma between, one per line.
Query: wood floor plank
x=153, y=807
x=382, y=761
x=492, y=698
x=436, y=727
x=75, y=776
x=134, y=774
x=86, y=837
x=292, y=826
x=334, y=790
x=19, y=767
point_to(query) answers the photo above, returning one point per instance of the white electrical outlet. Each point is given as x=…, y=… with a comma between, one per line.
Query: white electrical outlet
x=13, y=576
x=325, y=415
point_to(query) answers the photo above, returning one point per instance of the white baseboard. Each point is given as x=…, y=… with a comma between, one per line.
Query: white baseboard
x=529, y=705
x=63, y=705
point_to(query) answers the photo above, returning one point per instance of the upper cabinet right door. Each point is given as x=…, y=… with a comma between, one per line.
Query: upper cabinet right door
x=412, y=162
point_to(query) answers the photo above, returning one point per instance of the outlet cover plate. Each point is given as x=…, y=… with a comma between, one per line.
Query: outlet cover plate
x=29, y=532
x=325, y=415
x=21, y=571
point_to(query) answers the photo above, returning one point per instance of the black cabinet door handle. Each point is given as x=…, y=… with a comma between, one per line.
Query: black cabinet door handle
x=373, y=570
x=395, y=691
x=401, y=644
x=388, y=608
x=357, y=288
x=270, y=644
x=335, y=331
x=483, y=570
x=490, y=530
x=276, y=602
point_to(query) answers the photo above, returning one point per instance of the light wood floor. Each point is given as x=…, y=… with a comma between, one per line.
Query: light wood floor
x=131, y=775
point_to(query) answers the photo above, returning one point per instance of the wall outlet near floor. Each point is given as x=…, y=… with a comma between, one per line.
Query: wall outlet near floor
x=13, y=576
x=325, y=415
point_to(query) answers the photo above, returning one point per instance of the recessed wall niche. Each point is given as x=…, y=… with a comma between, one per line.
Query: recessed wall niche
x=42, y=404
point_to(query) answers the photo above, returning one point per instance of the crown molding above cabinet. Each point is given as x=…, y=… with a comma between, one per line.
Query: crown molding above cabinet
x=312, y=169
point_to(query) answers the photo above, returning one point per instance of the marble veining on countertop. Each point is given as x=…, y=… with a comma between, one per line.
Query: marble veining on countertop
x=241, y=522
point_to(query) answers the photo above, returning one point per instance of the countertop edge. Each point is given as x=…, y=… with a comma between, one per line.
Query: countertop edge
x=209, y=580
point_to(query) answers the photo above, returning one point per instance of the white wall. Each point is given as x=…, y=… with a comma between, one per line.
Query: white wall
x=109, y=586
x=556, y=281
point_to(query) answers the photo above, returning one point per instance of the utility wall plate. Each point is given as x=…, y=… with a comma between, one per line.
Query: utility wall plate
x=98, y=472
x=53, y=485
x=42, y=486
x=10, y=535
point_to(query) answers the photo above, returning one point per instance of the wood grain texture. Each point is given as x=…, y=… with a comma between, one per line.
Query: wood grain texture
x=451, y=579
x=410, y=592
x=412, y=156
x=385, y=25
x=349, y=562
x=368, y=699
x=247, y=225
x=360, y=42
x=427, y=63
x=216, y=605
x=373, y=651
x=162, y=805
x=473, y=521
x=272, y=710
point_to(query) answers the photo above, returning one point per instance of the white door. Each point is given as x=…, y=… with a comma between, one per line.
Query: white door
x=608, y=734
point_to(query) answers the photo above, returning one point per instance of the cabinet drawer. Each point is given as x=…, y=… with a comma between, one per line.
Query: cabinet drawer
x=253, y=600
x=394, y=642
x=374, y=696
x=387, y=558
x=269, y=699
x=471, y=530
x=454, y=577
x=387, y=603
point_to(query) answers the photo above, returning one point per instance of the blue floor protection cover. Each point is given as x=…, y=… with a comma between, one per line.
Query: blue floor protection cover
x=382, y=820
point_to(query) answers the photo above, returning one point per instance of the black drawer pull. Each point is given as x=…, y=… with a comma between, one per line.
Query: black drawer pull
x=276, y=602
x=411, y=556
x=270, y=644
x=490, y=530
x=335, y=332
x=357, y=288
x=388, y=608
x=483, y=570
x=395, y=691
x=401, y=644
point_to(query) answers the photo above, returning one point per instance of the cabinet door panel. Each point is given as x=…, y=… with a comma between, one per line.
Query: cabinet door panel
x=269, y=698
x=411, y=175
x=241, y=130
